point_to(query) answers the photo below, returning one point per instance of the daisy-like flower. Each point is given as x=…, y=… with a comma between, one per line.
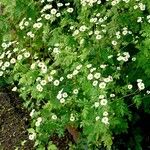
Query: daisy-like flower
x=105, y=113
x=97, y=75
x=95, y=83
x=75, y=91
x=96, y=104
x=141, y=86
x=114, y=43
x=14, y=89
x=90, y=76
x=53, y=11
x=105, y=120
x=56, y=82
x=62, y=100
x=103, y=102
x=19, y=57
x=101, y=96
x=82, y=28
x=65, y=95
x=130, y=86
x=27, y=55
x=1, y=73
x=43, y=82
x=50, y=78
x=70, y=10
x=54, y=117
x=69, y=76
x=102, y=85
x=39, y=88
x=7, y=64
x=47, y=16
x=72, y=118
x=97, y=118
x=32, y=136
x=13, y=61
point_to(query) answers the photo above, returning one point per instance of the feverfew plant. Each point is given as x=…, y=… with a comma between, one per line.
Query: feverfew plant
x=77, y=63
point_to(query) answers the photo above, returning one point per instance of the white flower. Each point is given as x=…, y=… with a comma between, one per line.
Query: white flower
x=96, y=104
x=72, y=118
x=97, y=118
x=90, y=76
x=56, y=50
x=54, y=117
x=32, y=136
x=43, y=82
x=134, y=59
x=14, y=89
x=1, y=73
x=148, y=92
x=112, y=95
x=75, y=72
x=32, y=112
x=53, y=72
x=59, y=4
x=130, y=86
x=39, y=119
x=56, y=82
x=7, y=64
x=101, y=96
x=61, y=79
x=76, y=32
x=79, y=67
x=82, y=28
x=105, y=120
x=102, y=85
x=69, y=76
x=26, y=23
x=37, y=124
x=89, y=65
x=33, y=66
x=93, y=69
x=106, y=80
x=95, y=83
x=53, y=11
x=103, y=66
x=97, y=75
x=139, y=19
x=105, y=113
x=62, y=100
x=44, y=69
x=70, y=10
x=59, y=96
x=65, y=95
x=13, y=61
x=139, y=80
x=47, y=16
x=3, y=68
x=19, y=57
x=114, y=43
x=98, y=37
x=39, y=88
x=27, y=55
x=103, y=102
x=75, y=91
x=58, y=14
x=4, y=45
x=141, y=86
x=50, y=78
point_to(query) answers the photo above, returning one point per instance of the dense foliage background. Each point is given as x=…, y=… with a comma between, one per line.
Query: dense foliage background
x=78, y=65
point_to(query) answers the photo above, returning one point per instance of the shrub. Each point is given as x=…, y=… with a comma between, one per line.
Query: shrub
x=77, y=65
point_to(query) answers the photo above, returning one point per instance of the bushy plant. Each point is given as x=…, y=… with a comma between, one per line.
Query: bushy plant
x=77, y=64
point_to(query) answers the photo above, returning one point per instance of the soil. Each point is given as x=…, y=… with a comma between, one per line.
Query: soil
x=13, y=124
